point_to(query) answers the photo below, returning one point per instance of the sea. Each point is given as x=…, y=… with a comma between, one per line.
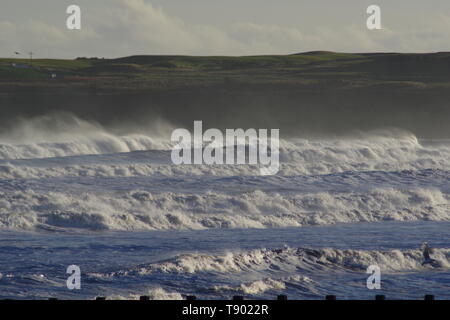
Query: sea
x=114, y=205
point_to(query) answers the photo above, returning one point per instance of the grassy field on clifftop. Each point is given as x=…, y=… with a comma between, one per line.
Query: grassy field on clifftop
x=159, y=72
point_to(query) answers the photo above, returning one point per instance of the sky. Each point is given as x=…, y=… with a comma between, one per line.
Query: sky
x=116, y=28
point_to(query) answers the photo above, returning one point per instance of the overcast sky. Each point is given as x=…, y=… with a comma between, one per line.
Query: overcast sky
x=114, y=28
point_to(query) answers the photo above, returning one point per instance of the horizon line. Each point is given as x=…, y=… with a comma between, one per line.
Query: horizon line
x=232, y=56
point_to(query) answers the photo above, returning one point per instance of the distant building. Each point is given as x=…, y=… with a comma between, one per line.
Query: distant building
x=20, y=66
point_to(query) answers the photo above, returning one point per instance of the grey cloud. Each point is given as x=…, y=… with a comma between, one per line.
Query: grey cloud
x=128, y=27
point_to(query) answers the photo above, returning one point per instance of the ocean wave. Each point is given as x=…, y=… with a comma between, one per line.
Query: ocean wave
x=368, y=152
x=142, y=210
x=101, y=143
x=13, y=171
x=263, y=285
x=293, y=261
x=63, y=134
x=297, y=157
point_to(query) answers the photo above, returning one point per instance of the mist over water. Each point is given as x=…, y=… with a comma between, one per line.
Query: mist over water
x=299, y=112
x=64, y=134
x=63, y=126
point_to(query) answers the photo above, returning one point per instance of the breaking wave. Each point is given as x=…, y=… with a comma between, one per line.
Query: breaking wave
x=103, y=143
x=62, y=134
x=359, y=260
x=293, y=260
x=263, y=285
x=47, y=181
x=142, y=210
x=374, y=152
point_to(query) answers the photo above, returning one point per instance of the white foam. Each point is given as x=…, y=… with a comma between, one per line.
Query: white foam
x=263, y=285
x=143, y=210
x=297, y=156
x=63, y=134
x=293, y=260
x=100, y=143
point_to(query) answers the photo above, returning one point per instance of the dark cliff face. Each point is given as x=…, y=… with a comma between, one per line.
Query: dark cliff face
x=334, y=96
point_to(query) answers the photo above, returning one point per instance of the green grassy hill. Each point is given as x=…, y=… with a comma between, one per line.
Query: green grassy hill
x=311, y=68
